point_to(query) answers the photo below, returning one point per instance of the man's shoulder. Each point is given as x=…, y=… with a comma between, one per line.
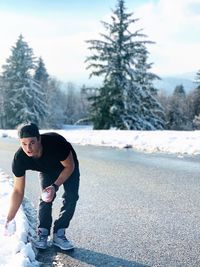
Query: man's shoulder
x=19, y=152
x=47, y=134
x=52, y=136
x=19, y=155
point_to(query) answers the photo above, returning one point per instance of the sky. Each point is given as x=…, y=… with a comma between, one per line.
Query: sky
x=57, y=31
x=15, y=250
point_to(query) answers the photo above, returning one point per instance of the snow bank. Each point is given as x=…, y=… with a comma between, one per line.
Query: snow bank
x=15, y=250
x=182, y=142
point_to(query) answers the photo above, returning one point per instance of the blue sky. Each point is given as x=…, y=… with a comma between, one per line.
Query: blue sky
x=57, y=30
x=61, y=5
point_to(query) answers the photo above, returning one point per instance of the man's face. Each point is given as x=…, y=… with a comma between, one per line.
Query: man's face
x=31, y=146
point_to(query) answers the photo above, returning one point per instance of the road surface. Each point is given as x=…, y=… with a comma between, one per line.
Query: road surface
x=135, y=209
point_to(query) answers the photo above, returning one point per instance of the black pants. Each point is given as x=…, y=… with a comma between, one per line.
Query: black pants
x=69, y=200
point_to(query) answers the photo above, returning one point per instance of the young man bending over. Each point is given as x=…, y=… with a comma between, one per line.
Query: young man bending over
x=56, y=161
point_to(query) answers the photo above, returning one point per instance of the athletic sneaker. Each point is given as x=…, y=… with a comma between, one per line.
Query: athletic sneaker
x=60, y=240
x=41, y=241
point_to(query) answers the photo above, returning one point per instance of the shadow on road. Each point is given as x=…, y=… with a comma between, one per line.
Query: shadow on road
x=46, y=257
x=96, y=259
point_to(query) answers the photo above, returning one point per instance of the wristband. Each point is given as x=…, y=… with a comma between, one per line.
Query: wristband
x=56, y=187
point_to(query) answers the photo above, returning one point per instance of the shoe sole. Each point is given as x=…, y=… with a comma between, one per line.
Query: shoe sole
x=63, y=248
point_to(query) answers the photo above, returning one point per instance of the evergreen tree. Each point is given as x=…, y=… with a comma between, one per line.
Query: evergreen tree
x=179, y=91
x=178, y=117
x=195, y=101
x=2, y=105
x=23, y=97
x=84, y=104
x=103, y=109
x=42, y=77
x=197, y=78
x=125, y=100
x=71, y=106
x=41, y=74
x=56, y=101
x=151, y=114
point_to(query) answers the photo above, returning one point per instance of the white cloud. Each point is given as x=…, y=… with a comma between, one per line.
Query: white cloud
x=173, y=25
x=60, y=38
x=58, y=41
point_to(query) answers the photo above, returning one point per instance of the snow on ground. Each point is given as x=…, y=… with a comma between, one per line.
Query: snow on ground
x=16, y=250
x=180, y=142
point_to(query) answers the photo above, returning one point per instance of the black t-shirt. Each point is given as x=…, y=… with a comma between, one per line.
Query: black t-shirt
x=55, y=149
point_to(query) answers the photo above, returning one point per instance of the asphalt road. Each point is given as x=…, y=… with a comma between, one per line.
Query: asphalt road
x=135, y=209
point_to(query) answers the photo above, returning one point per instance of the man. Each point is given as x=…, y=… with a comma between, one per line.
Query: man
x=56, y=161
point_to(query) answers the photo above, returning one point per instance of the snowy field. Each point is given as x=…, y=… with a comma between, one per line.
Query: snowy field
x=15, y=250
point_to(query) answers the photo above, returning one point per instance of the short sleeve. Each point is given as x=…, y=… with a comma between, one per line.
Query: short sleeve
x=17, y=166
x=63, y=147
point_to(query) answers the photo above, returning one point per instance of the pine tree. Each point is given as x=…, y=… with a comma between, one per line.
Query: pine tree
x=56, y=100
x=41, y=74
x=2, y=104
x=195, y=101
x=150, y=112
x=178, y=112
x=42, y=77
x=24, y=100
x=71, y=105
x=197, y=78
x=84, y=104
x=179, y=91
x=125, y=100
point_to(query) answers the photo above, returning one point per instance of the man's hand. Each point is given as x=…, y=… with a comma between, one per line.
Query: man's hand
x=48, y=193
x=9, y=227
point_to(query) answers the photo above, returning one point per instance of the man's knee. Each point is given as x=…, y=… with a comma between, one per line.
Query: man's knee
x=70, y=197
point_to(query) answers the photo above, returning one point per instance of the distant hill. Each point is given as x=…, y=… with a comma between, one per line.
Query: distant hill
x=168, y=84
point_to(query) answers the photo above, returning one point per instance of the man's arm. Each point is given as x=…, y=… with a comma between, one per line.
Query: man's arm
x=69, y=165
x=16, y=197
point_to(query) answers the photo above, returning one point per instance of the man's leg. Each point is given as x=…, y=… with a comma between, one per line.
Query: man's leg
x=44, y=214
x=45, y=209
x=70, y=197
